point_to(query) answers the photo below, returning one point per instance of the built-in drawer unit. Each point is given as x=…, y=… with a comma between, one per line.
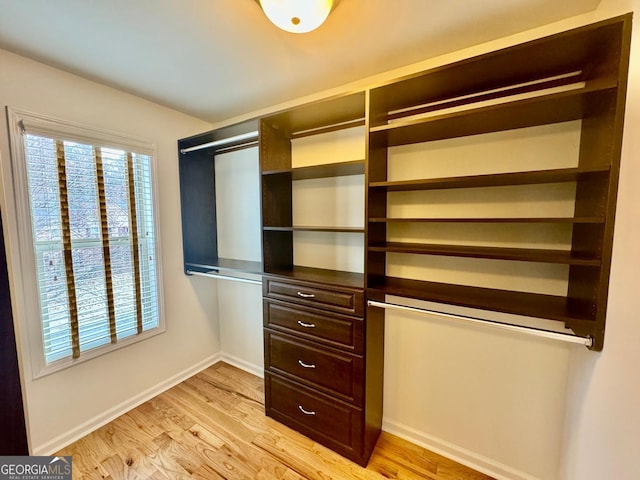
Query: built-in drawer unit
x=340, y=331
x=331, y=422
x=338, y=299
x=323, y=363
x=327, y=370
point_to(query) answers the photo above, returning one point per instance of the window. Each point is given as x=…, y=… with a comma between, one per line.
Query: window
x=90, y=207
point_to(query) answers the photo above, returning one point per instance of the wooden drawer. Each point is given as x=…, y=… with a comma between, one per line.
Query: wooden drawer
x=332, y=329
x=328, y=421
x=328, y=370
x=337, y=299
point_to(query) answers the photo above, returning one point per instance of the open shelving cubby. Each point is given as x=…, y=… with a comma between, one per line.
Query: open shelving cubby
x=575, y=78
x=279, y=172
x=197, y=169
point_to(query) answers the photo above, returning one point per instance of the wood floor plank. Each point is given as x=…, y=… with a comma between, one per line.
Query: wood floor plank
x=309, y=459
x=161, y=462
x=87, y=457
x=212, y=427
x=394, y=450
x=206, y=436
x=404, y=458
x=207, y=473
x=291, y=475
x=119, y=469
x=228, y=464
x=236, y=437
x=237, y=381
x=207, y=414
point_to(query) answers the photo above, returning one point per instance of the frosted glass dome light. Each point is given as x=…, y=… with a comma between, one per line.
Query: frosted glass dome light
x=297, y=16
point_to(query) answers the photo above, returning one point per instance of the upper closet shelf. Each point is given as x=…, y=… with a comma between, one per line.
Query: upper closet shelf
x=495, y=253
x=517, y=303
x=227, y=266
x=243, y=139
x=541, y=110
x=567, y=220
x=493, y=180
x=339, y=169
x=328, y=229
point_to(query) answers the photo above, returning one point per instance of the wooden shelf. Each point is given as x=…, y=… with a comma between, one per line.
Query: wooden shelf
x=561, y=53
x=493, y=253
x=578, y=75
x=225, y=139
x=225, y=265
x=315, y=229
x=518, y=303
x=198, y=201
x=324, y=115
x=558, y=220
x=320, y=275
x=494, y=180
x=340, y=169
x=542, y=110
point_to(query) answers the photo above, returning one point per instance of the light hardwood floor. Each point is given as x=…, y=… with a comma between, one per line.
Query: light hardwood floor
x=212, y=426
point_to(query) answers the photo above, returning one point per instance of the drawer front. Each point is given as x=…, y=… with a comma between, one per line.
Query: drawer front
x=337, y=299
x=330, y=422
x=335, y=373
x=336, y=330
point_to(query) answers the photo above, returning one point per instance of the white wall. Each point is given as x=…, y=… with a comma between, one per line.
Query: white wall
x=238, y=221
x=602, y=437
x=66, y=404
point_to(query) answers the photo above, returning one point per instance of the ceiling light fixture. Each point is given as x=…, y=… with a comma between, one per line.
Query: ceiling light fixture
x=297, y=16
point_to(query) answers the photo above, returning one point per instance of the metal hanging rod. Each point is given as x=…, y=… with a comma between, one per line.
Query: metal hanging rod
x=224, y=277
x=563, y=337
x=222, y=142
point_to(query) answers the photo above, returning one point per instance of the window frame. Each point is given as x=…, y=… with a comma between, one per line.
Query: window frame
x=20, y=121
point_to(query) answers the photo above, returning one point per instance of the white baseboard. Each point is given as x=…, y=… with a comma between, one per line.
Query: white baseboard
x=456, y=453
x=98, y=421
x=257, y=370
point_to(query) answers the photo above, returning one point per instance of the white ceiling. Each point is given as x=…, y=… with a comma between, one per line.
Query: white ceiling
x=216, y=59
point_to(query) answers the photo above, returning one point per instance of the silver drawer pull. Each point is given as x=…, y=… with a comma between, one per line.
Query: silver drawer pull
x=306, y=325
x=306, y=412
x=306, y=295
x=306, y=365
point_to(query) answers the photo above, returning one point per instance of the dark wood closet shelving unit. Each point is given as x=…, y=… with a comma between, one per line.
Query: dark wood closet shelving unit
x=323, y=344
x=590, y=64
x=276, y=133
x=198, y=199
x=316, y=316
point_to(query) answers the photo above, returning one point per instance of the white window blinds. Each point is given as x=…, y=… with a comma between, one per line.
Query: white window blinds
x=94, y=242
